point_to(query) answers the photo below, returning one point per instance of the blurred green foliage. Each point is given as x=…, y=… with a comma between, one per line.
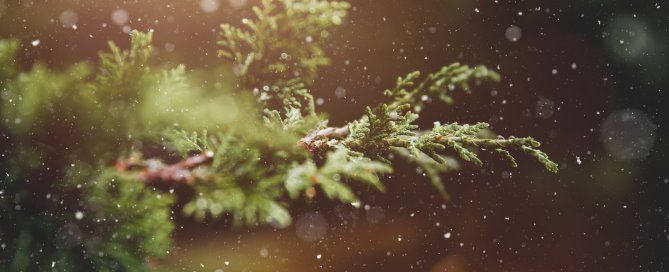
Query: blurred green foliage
x=63, y=127
x=284, y=41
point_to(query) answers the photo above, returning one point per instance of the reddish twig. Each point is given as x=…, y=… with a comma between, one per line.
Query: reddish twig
x=179, y=172
x=320, y=140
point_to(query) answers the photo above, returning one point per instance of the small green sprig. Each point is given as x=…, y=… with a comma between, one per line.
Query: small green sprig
x=339, y=165
x=465, y=139
x=284, y=95
x=381, y=128
x=125, y=70
x=415, y=91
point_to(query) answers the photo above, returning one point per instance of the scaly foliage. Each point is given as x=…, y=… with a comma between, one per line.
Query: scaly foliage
x=339, y=165
x=415, y=91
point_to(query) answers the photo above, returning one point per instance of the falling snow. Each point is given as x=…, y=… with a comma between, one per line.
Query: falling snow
x=587, y=79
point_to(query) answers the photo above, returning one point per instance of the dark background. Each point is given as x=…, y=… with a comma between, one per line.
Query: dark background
x=574, y=65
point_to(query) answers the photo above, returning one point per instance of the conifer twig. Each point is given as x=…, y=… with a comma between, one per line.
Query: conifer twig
x=155, y=171
x=318, y=140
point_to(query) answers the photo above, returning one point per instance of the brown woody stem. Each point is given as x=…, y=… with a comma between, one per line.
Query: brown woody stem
x=180, y=172
x=319, y=140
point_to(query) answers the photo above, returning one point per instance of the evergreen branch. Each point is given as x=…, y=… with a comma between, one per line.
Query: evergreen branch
x=257, y=160
x=378, y=132
x=409, y=91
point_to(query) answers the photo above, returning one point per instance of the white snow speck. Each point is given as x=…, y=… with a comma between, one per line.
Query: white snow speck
x=237, y=4
x=120, y=17
x=340, y=92
x=209, y=6
x=513, y=33
x=68, y=19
